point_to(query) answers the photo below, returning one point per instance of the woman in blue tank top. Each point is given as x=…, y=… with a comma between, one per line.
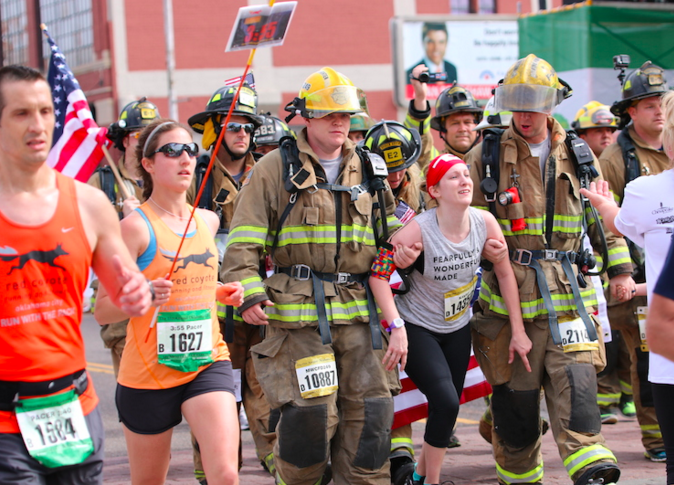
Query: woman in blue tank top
x=436, y=309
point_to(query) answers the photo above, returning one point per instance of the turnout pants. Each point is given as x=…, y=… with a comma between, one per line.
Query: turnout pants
x=570, y=385
x=615, y=379
x=349, y=425
x=261, y=419
x=624, y=317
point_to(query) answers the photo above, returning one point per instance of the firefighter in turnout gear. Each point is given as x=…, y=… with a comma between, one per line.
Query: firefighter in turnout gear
x=456, y=116
x=532, y=172
x=638, y=151
x=400, y=147
x=595, y=124
x=311, y=206
x=232, y=167
x=124, y=134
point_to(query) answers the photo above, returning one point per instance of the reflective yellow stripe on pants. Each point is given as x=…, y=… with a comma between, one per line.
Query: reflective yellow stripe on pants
x=532, y=476
x=586, y=456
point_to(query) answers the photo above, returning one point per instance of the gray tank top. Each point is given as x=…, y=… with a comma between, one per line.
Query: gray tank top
x=439, y=300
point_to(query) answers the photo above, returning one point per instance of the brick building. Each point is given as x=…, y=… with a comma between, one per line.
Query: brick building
x=116, y=48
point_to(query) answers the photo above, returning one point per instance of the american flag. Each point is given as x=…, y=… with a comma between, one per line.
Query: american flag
x=411, y=405
x=236, y=80
x=77, y=146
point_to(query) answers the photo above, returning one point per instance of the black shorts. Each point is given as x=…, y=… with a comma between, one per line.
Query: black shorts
x=153, y=411
x=17, y=466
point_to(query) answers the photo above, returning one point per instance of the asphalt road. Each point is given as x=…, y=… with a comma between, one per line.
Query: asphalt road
x=99, y=365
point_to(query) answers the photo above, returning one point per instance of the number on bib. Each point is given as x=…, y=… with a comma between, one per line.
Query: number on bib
x=317, y=375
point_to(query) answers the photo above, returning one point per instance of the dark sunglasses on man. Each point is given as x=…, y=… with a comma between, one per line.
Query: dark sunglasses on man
x=174, y=150
x=236, y=127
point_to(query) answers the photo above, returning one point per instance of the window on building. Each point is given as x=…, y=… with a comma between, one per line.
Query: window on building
x=487, y=6
x=14, y=34
x=459, y=7
x=71, y=25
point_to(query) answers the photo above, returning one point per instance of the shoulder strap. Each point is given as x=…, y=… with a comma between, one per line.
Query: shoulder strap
x=107, y=180
x=200, y=172
x=629, y=156
x=491, y=152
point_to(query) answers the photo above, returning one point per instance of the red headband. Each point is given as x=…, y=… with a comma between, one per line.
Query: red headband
x=439, y=167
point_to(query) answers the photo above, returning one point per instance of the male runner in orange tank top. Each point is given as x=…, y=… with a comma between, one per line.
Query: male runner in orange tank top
x=52, y=229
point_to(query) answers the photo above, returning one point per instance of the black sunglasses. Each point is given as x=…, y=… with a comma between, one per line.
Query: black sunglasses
x=174, y=150
x=236, y=127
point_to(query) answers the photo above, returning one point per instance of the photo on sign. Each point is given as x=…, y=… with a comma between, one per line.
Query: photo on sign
x=475, y=52
x=260, y=26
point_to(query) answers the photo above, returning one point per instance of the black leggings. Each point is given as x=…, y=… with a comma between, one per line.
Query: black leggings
x=663, y=395
x=437, y=365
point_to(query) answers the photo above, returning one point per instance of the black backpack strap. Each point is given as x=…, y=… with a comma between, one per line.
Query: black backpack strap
x=491, y=152
x=107, y=181
x=206, y=199
x=629, y=156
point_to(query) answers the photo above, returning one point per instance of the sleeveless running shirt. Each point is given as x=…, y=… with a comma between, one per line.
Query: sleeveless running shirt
x=44, y=270
x=194, y=283
x=439, y=299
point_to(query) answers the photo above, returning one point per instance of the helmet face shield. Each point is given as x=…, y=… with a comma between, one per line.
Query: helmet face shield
x=526, y=97
x=334, y=99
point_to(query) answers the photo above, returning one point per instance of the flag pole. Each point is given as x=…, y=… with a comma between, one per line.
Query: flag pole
x=208, y=172
x=115, y=172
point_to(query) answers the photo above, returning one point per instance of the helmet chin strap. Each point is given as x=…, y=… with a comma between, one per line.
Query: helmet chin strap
x=235, y=156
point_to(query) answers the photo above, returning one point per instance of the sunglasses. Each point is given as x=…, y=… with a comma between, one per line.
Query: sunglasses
x=174, y=150
x=236, y=127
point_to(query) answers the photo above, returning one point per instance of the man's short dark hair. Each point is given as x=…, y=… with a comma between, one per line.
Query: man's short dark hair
x=17, y=73
x=428, y=26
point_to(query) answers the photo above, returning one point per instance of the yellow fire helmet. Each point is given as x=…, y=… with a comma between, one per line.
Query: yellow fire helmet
x=324, y=92
x=594, y=115
x=531, y=84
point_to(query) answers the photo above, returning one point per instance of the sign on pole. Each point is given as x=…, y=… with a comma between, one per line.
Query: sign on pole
x=260, y=26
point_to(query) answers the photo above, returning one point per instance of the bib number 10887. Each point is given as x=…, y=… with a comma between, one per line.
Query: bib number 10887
x=317, y=375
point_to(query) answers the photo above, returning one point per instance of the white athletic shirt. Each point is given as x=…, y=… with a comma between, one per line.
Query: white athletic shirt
x=647, y=218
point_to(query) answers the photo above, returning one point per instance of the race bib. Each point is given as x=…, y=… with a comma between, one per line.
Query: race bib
x=185, y=339
x=457, y=301
x=317, y=375
x=642, y=312
x=54, y=430
x=575, y=337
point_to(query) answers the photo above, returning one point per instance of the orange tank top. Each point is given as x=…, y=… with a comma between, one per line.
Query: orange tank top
x=44, y=271
x=194, y=283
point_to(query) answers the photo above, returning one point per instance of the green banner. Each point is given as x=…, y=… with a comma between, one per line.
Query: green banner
x=588, y=36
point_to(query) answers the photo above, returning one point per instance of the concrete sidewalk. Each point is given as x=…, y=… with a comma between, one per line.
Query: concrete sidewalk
x=472, y=462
